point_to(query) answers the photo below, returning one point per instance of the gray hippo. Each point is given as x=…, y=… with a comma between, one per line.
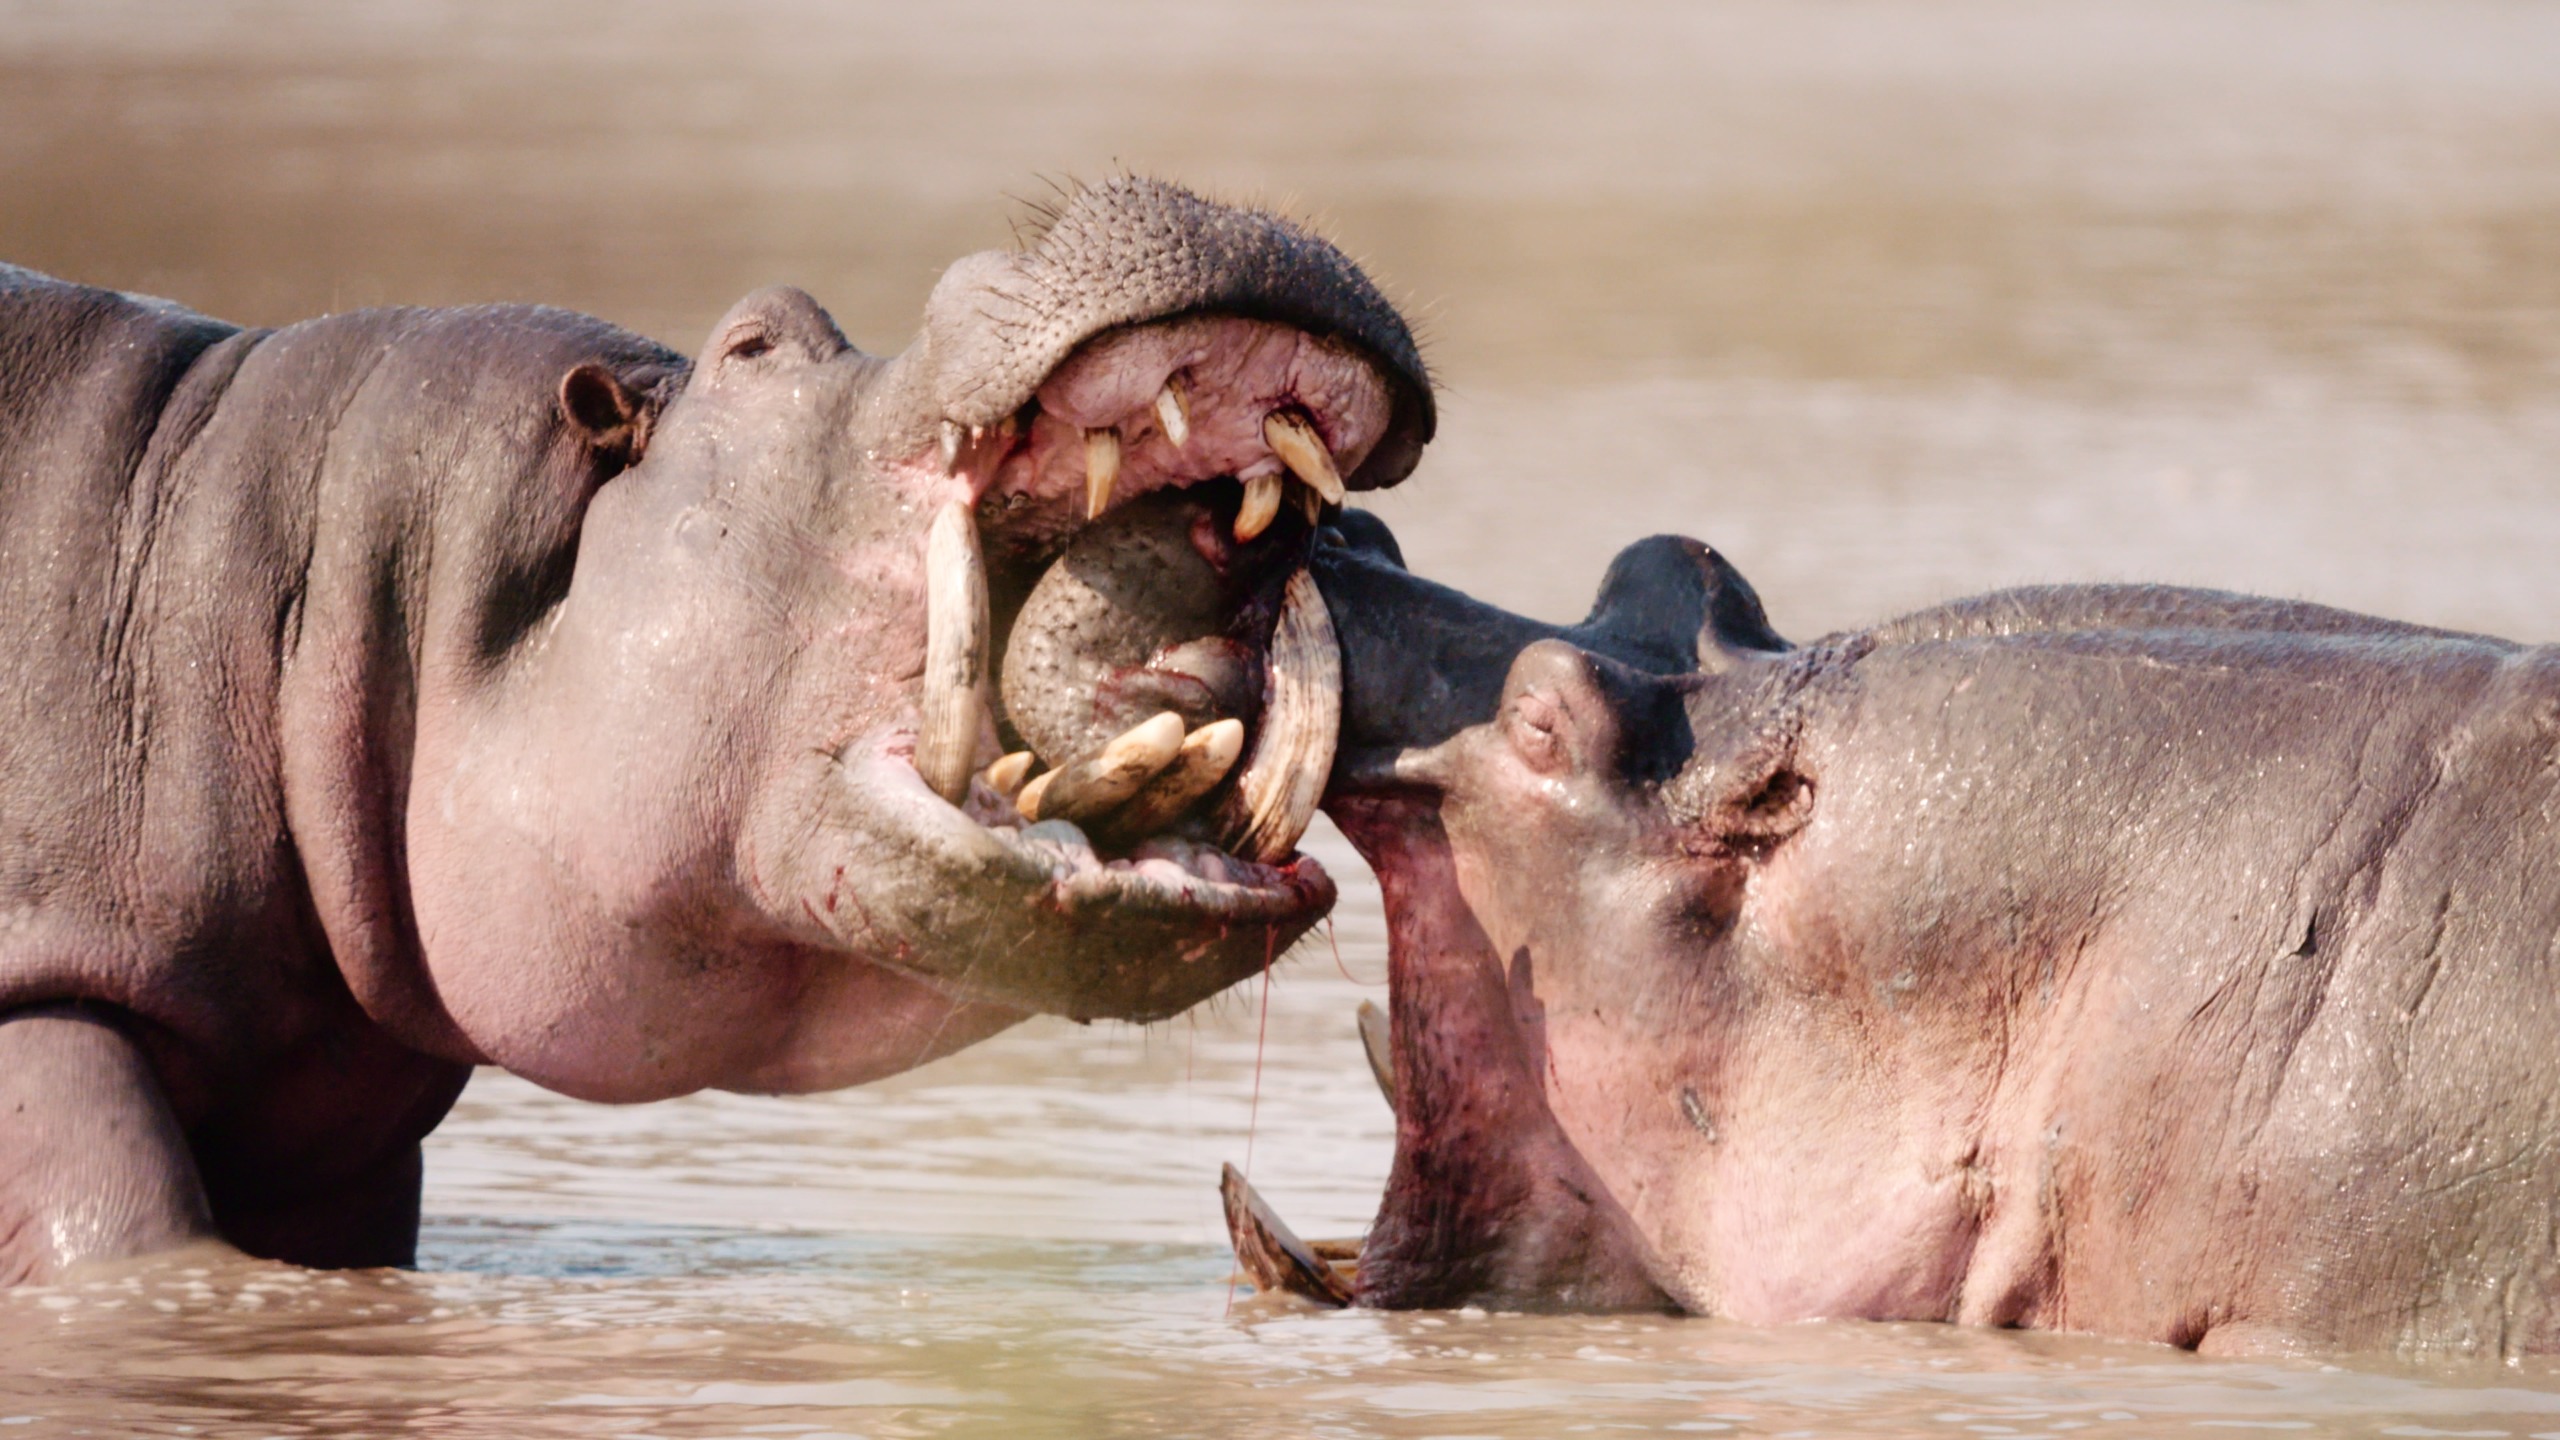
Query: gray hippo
x=2156, y=963
x=410, y=690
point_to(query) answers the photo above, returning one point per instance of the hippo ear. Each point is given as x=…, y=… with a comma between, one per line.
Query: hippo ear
x=1670, y=604
x=777, y=323
x=612, y=416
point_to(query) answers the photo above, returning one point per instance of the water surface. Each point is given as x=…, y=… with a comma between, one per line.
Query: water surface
x=1889, y=301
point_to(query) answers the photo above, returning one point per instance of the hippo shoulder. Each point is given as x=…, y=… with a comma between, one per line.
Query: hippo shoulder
x=80, y=356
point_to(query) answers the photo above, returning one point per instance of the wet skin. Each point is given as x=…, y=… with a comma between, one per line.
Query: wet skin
x=2156, y=963
x=410, y=690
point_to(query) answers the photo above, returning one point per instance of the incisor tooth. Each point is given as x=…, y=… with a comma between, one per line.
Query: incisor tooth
x=1101, y=470
x=955, y=652
x=1027, y=804
x=1261, y=505
x=1005, y=777
x=1173, y=411
x=1302, y=450
x=1207, y=754
x=1101, y=782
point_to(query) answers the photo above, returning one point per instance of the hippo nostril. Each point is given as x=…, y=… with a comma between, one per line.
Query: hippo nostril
x=1536, y=729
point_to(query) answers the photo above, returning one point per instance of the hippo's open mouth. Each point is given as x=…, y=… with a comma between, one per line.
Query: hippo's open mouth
x=1262, y=429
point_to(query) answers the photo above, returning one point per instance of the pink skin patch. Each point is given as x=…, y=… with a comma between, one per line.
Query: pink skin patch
x=1234, y=371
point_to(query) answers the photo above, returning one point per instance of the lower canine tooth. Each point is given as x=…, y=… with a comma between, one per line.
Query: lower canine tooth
x=955, y=653
x=1276, y=792
x=1102, y=782
x=1261, y=505
x=1173, y=411
x=1271, y=1253
x=1101, y=469
x=1301, y=449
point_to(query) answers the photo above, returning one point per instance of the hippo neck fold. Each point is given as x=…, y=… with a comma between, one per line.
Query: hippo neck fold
x=444, y=491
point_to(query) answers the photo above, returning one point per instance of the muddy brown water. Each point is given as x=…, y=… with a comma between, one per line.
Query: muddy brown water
x=1890, y=301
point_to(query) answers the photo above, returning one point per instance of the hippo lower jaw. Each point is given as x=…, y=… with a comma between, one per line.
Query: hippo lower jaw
x=1488, y=1202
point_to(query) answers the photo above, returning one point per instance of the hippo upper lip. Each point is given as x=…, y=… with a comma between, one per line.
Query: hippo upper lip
x=1004, y=325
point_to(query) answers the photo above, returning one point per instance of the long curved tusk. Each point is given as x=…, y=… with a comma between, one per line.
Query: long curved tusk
x=1276, y=791
x=956, y=626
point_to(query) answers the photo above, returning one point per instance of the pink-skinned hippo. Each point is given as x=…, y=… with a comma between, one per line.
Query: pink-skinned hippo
x=410, y=690
x=2156, y=963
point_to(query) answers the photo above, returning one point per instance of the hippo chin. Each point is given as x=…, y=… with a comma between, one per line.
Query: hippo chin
x=2157, y=963
x=410, y=690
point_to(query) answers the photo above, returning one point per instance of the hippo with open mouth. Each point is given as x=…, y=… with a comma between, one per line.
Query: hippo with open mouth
x=410, y=690
x=2157, y=963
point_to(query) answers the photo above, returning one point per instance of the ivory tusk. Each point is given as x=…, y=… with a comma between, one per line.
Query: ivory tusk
x=955, y=653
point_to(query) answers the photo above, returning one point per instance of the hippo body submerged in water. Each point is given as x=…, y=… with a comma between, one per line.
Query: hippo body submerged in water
x=405, y=691
x=2156, y=963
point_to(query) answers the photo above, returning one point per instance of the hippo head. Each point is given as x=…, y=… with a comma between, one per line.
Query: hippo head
x=744, y=769
x=1563, y=821
x=1624, y=1072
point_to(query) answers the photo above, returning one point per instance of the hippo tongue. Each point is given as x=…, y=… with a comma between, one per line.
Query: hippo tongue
x=1154, y=615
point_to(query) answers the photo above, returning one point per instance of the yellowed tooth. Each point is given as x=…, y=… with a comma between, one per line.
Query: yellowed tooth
x=1173, y=411
x=1272, y=1254
x=1278, y=784
x=1300, y=448
x=953, y=697
x=1027, y=804
x=1101, y=470
x=1261, y=505
x=1005, y=777
x=1207, y=754
x=1100, y=783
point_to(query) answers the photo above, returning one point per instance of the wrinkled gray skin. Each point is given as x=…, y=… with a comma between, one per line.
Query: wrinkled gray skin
x=2157, y=963
x=409, y=690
